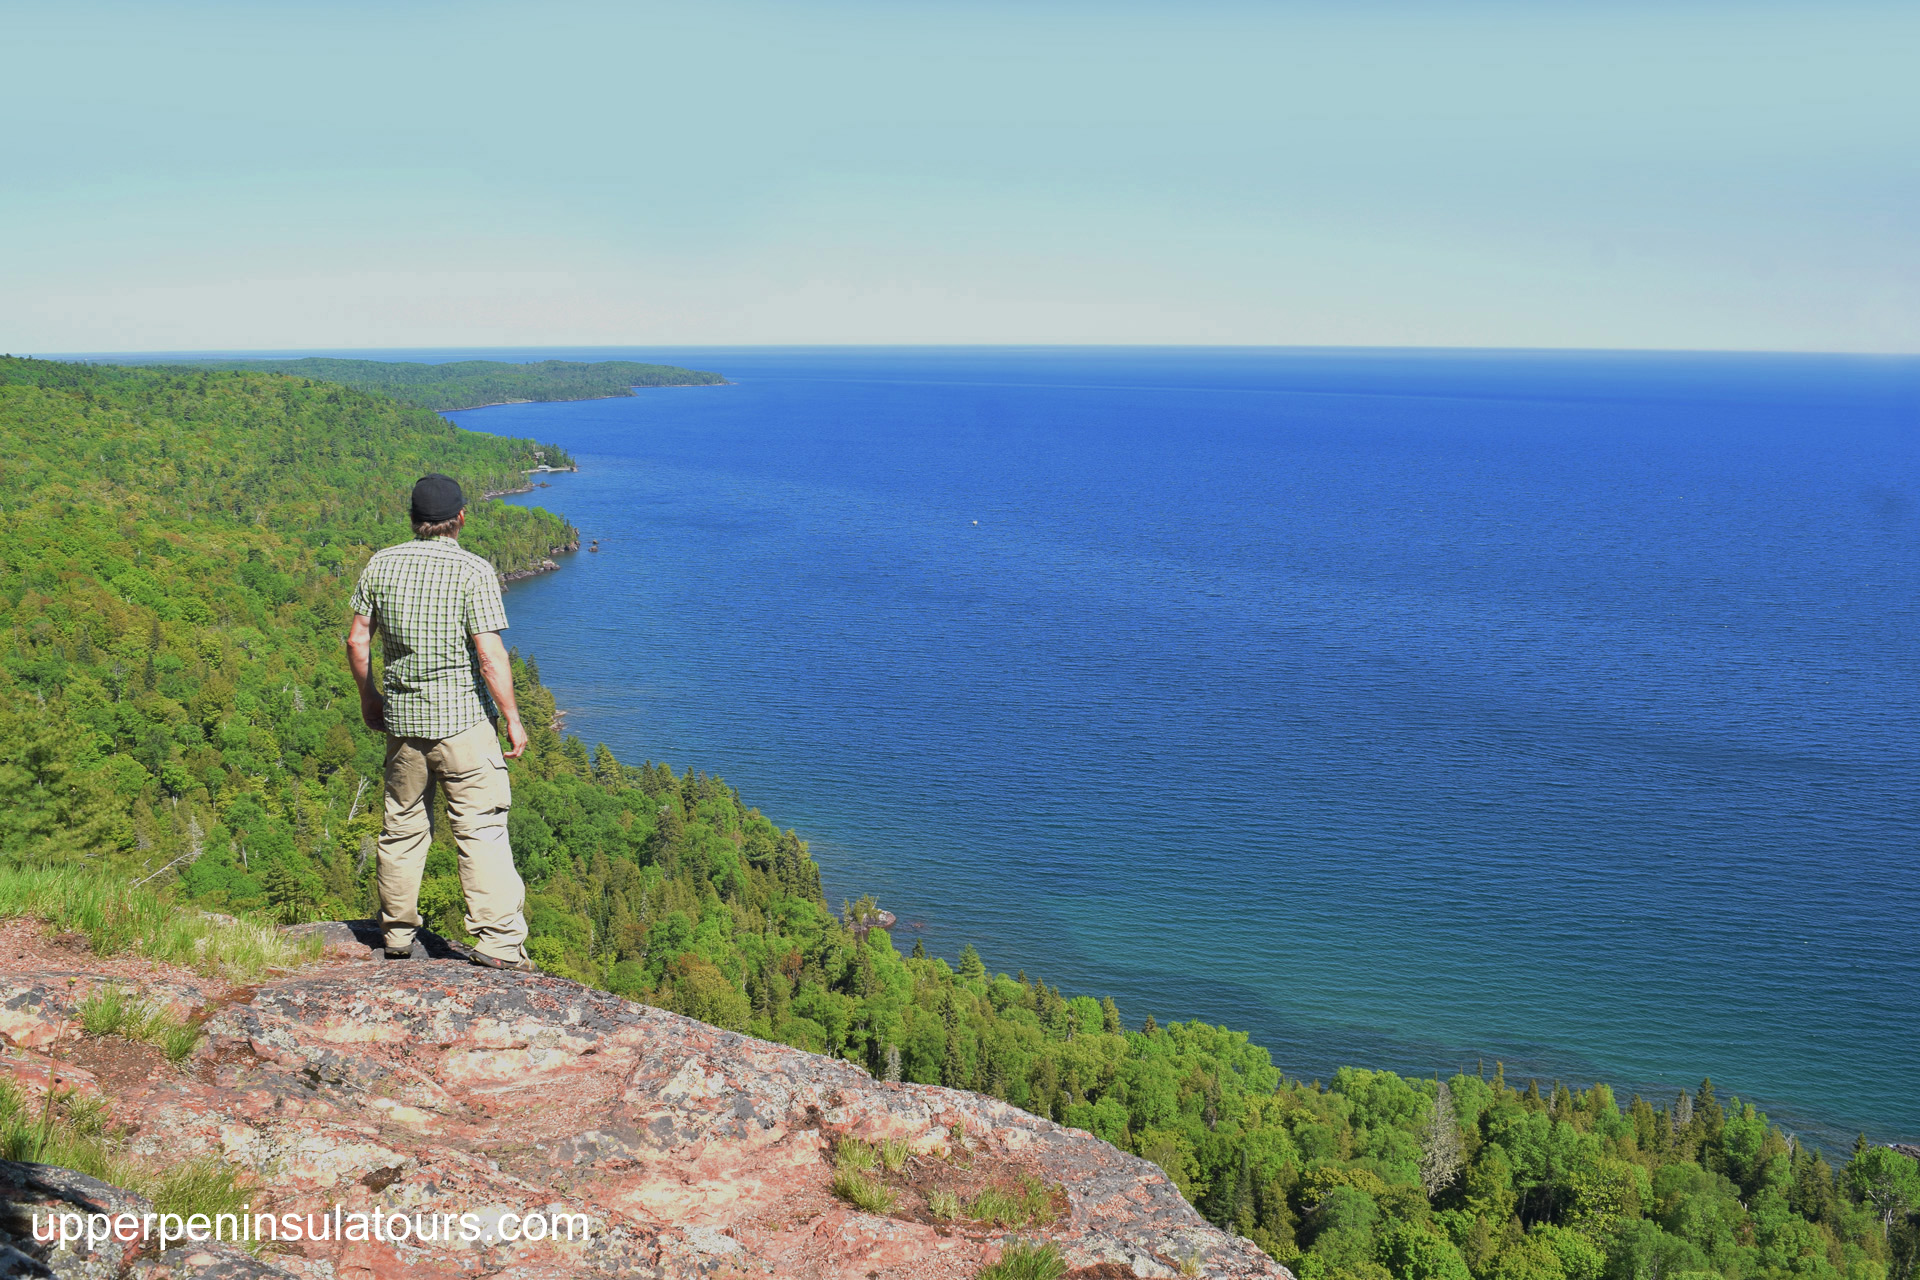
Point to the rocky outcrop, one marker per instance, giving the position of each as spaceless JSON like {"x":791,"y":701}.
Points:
{"x":473,"y":1098}
{"x":548,"y":565}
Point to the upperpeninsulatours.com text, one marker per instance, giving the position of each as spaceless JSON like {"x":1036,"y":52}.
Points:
{"x":96,"y":1229}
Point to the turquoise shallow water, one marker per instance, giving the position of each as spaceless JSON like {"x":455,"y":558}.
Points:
{"x":1402,"y":709}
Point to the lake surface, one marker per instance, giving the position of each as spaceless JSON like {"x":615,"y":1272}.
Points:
{"x":1401,"y":709}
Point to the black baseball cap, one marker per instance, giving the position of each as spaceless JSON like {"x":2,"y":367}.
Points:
{"x":436,"y":498}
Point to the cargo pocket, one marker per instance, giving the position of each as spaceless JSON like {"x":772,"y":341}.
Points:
{"x":500,"y":785}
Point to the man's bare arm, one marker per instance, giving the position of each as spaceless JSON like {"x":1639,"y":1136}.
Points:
{"x":373,"y":707}
{"x":497,"y":671}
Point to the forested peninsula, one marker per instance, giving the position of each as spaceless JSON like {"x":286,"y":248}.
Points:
{"x":176,"y":550}
{"x":470,"y":384}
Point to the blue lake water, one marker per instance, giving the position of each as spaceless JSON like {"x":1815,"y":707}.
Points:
{"x":1402,"y":709}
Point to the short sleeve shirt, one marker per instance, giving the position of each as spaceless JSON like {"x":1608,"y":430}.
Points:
{"x":429,"y":599}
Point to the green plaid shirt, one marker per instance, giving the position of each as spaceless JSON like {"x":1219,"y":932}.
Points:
{"x":428,"y":597}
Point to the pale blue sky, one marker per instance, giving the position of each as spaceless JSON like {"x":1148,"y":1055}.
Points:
{"x":283,"y":175}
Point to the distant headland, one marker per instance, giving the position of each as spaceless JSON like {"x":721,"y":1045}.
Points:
{"x":476,"y":384}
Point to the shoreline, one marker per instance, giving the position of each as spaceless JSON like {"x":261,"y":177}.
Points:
{"x":530,"y":486}
{"x":521,"y":575}
{"x":547,"y":565}
{"x":630,"y":393}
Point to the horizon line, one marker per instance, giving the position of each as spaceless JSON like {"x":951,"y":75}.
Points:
{"x":327,"y":352}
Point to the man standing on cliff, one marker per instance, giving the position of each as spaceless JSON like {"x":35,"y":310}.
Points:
{"x":440,"y":617}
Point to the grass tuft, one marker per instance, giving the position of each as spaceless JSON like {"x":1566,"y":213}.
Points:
{"x":851,"y":1155}
{"x":105,"y":1012}
{"x":110,"y":1011}
{"x":894,"y":1153}
{"x":204,"y":1186}
{"x":1023,"y":1260}
{"x":117,"y":917}
{"x":854,"y":1165}
{"x":943,"y":1205}
{"x":1028,"y":1204}
{"x":864,"y":1193}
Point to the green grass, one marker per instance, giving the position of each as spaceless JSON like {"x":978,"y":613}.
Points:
{"x":864,"y":1193}
{"x":204,"y":1185}
{"x":854,"y":1165}
{"x":894,"y":1153}
{"x":61,"y":1128}
{"x":1026,"y":1261}
{"x":853,"y":1155}
{"x":116,"y":917}
{"x":1030,"y":1203}
{"x":943,"y":1205}
{"x":72,"y":1133}
{"x":110,"y":1011}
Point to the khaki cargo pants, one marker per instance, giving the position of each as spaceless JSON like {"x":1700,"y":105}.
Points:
{"x":473,"y":774}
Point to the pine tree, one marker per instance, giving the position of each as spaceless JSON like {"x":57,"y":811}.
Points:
{"x":606,"y":769}
{"x":1712,"y":1116}
{"x":293,"y":889}
{"x":1223,"y":1197}
{"x":1243,"y":1213}
{"x":919,"y":949}
{"x":971,"y":967}
{"x":1110,"y":1017}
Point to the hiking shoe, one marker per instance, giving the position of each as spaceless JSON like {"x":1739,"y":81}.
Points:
{"x":515,"y":966}
{"x":395,"y":954}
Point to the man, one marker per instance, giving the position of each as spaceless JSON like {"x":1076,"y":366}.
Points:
{"x":440,"y":617}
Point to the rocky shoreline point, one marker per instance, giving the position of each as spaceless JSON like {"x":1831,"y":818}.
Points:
{"x":547,"y":565}
{"x":429,"y":1086}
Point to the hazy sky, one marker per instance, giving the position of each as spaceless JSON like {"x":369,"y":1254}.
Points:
{"x":281,"y":175}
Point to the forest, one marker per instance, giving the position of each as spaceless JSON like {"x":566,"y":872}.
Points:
{"x":176,"y":550}
{"x":468,"y":384}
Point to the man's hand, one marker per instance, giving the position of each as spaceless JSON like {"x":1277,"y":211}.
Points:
{"x":373,"y":710}
{"x":516,"y":737}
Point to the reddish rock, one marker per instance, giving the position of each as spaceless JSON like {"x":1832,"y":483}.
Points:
{"x":32,"y":1072}
{"x":430,"y":1087}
